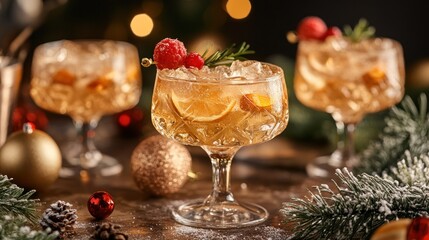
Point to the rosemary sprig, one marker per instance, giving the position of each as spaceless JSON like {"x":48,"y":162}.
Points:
{"x":361,"y":31}
{"x":227,"y":56}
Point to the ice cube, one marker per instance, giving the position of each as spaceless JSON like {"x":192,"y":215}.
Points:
{"x":246,"y":69}
{"x":179,"y":73}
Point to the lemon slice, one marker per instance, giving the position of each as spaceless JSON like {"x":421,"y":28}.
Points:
{"x":202,"y":110}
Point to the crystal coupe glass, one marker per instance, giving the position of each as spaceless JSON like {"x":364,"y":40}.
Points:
{"x":348,"y":80}
{"x":220,"y":109}
{"x":86,"y":79}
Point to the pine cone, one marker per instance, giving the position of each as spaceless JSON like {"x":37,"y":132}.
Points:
{"x":59,"y":217}
{"x":108,"y":231}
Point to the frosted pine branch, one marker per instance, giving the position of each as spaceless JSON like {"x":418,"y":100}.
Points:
{"x":393,"y":183}
{"x":14,"y":201}
{"x":16,"y":228}
{"x":407,"y":128}
{"x":411,"y":170}
{"x":355,"y":208}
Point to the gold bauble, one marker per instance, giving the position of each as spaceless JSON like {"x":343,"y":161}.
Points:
{"x":31,"y":157}
{"x":394,"y":230}
{"x":160,"y":166}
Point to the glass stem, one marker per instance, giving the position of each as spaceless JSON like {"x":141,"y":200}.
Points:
{"x":89,"y":155}
{"x":221,"y":159}
{"x":344,"y":155}
{"x":349,"y":145}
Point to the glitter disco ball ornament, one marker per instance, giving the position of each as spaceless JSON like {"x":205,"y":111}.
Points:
{"x":160,"y":166}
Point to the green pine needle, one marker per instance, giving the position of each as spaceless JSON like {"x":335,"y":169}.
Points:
{"x":393,"y":183}
{"x":16,"y":228}
{"x":17,"y":212}
{"x":355,"y":208}
{"x":14,"y":201}
{"x":361,"y":31}
{"x":227,"y":56}
{"x":407,"y":128}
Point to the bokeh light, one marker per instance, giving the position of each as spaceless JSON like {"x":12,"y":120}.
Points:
{"x":209,"y":43}
{"x":238,"y":9}
{"x":141,"y":25}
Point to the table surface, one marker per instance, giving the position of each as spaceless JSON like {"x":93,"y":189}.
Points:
{"x":267,"y":174}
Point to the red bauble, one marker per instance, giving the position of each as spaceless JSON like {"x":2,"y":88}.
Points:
{"x":130,"y":122}
{"x":27,"y":113}
{"x":418,"y":229}
{"x":100,"y":205}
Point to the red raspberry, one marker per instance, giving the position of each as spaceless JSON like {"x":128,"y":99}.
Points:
{"x":311,"y":28}
{"x":169,"y":53}
{"x":194,"y":60}
{"x":332,"y":31}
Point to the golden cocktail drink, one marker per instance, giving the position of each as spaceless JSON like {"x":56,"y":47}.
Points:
{"x":348,"y":80}
{"x":221,"y":109}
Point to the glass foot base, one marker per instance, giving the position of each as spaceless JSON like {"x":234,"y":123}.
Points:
{"x":221,"y":215}
{"x":106,"y":166}
{"x":321,"y":167}
{"x":325,"y":166}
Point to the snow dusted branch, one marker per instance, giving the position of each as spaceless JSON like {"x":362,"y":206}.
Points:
{"x":356,"y":209}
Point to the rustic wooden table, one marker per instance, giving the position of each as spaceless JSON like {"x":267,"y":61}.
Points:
{"x":267,"y":174}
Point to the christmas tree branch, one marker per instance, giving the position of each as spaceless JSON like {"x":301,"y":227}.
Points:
{"x":407,"y":128}
{"x":392,"y":183}
{"x":355,"y":210}
{"x":13,"y":227}
{"x":14,"y":201}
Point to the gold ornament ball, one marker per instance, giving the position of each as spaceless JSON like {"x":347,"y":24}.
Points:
{"x":31,"y":157}
{"x":394,"y":230}
{"x":160,"y":166}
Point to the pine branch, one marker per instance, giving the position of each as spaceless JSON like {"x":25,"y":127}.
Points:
{"x":398,"y":186}
{"x":355,"y":210}
{"x":227,"y":56}
{"x":411,"y":170}
{"x":407,"y":128}
{"x":14,"y":201}
{"x":15,"y":228}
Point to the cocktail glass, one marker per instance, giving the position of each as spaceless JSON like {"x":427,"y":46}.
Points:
{"x":220,"y":110}
{"x":86,"y":79}
{"x":348,"y":80}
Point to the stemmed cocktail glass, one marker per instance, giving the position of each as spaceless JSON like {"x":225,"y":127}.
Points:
{"x":348,"y":80}
{"x":220,"y":109}
{"x":86,"y":79}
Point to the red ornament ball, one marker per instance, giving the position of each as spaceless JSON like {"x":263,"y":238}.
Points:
{"x":418,"y":229}
{"x":28,"y":114}
{"x":130,"y":122}
{"x":100,"y":205}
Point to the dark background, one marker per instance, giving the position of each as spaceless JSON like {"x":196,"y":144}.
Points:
{"x":264,"y":29}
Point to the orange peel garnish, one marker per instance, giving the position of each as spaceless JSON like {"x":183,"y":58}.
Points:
{"x":255,"y":102}
{"x":100,"y":84}
{"x":63,"y":76}
{"x":374,"y":77}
